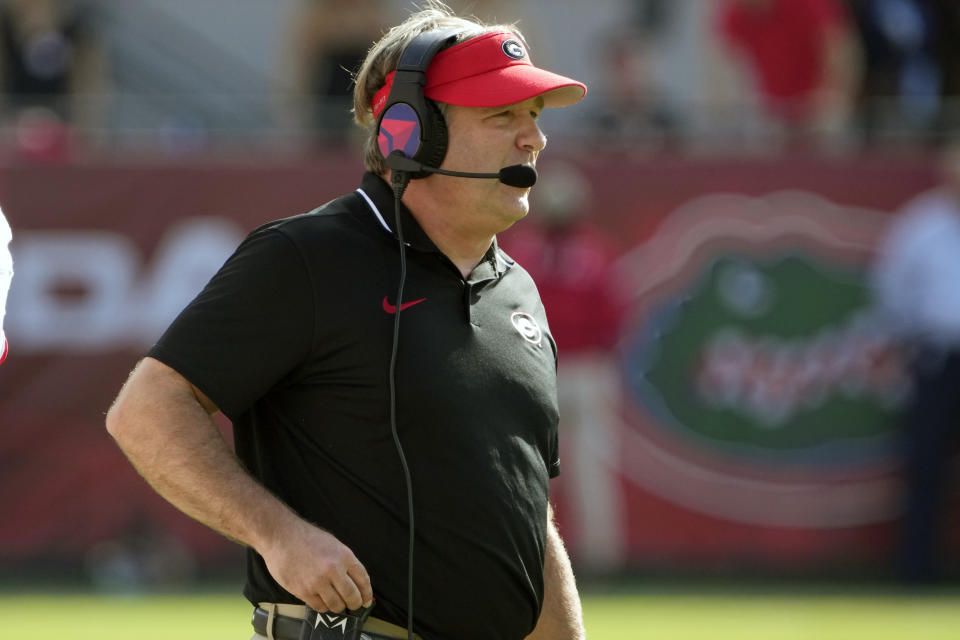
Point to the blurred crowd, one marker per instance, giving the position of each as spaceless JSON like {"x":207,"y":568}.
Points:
{"x":834,"y":73}
{"x":663,"y":74}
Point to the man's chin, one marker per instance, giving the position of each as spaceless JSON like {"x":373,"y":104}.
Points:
{"x":519,"y":206}
{"x":514,"y":217}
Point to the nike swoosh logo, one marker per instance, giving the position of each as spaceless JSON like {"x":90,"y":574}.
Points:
{"x":391,"y":309}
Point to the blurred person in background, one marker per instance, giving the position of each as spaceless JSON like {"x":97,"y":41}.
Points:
{"x":571,"y":260}
{"x":947,"y":51}
{"x":901,"y":91}
{"x":6,"y":276}
{"x":916,"y":277}
{"x":633,"y":112}
{"x":53,"y":73}
{"x":802,"y":58}
{"x":328,"y":40}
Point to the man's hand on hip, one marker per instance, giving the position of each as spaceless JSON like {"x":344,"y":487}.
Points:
{"x":314,"y":566}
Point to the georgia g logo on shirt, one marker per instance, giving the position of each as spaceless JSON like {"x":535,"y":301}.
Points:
{"x":526,"y":325}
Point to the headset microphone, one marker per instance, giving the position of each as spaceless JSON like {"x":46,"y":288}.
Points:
{"x":521,"y":176}
{"x":518,"y":175}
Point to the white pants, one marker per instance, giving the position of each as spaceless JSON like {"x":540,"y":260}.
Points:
{"x":588,"y":392}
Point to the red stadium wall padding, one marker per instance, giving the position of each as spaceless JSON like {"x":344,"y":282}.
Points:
{"x":106,"y":254}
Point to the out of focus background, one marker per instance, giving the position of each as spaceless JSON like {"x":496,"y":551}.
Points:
{"x":747,"y":237}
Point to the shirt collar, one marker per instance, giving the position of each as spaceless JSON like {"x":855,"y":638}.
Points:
{"x":493,"y":265}
{"x":379,"y":198}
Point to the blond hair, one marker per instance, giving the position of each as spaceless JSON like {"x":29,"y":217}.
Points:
{"x":383,"y":56}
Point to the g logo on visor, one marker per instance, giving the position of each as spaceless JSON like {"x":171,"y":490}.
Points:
{"x":513,"y":49}
{"x":399,"y":130}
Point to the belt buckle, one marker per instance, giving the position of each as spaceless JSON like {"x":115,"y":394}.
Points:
{"x":323,"y":625}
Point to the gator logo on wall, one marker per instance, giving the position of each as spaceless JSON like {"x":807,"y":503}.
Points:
{"x":759,"y":386}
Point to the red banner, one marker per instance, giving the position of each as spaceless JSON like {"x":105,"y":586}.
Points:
{"x":106,"y":255}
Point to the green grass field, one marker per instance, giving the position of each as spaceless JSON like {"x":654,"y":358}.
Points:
{"x":608,"y":617}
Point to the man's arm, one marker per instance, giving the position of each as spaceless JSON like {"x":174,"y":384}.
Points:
{"x":164,"y":426}
{"x":562,"y":615}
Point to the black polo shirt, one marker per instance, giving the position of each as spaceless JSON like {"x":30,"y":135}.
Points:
{"x":292,"y":340}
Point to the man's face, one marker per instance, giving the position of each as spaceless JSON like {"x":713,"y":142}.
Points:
{"x":485,"y":140}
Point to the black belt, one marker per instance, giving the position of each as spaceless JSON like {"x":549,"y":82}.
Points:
{"x":321,"y":626}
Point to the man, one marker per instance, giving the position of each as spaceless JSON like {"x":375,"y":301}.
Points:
{"x":6,"y":275}
{"x":293,"y":340}
{"x":916,"y":275}
{"x":573,"y":263}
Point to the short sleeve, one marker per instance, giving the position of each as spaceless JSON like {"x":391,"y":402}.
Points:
{"x":249,"y":328}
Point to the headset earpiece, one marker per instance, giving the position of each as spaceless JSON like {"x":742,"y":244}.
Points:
{"x":433,"y":154}
{"x":409,"y":122}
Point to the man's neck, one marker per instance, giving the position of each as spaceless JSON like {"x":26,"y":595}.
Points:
{"x":465,"y":250}
{"x":463,"y":245}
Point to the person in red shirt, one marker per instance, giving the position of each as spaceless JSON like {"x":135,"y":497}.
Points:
{"x":572,"y":261}
{"x":803,"y":56}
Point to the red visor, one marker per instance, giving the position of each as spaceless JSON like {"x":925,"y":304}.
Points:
{"x":490,"y":70}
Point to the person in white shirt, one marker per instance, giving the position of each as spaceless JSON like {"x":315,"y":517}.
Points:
{"x":6,"y":275}
{"x":917,"y":275}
